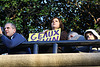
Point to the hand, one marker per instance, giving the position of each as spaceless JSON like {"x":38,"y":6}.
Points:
{"x":98,"y":21}
{"x":0,"y":31}
{"x":45,"y":31}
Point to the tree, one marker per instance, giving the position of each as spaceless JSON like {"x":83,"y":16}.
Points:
{"x":34,"y":16}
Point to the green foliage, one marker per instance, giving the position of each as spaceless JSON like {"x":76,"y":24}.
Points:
{"x":35,"y":15}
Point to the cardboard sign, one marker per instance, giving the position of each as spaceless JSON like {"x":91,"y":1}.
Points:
{"x":51,"y":35}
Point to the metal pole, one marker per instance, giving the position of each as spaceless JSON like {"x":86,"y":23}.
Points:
{"x":35,"y":50}
{"x":55,"y":47}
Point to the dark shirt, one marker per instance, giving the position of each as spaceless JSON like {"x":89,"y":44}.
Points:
{"x":81,"y":48}
{"x":13,"y":42}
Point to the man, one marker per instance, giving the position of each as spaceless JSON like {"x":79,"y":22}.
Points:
{"x":75,"y":36}
{"x":13,"y":39}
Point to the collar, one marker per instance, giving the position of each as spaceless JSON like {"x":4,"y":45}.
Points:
{"x":12,"y":36}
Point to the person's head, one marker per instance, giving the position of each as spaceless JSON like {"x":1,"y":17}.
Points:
{"x":91,"y":34}
{"x":56,"y":23}
{"x":10,"y":29}
{"x":71,"y":35}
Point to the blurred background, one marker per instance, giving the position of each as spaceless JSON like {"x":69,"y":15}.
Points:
{"x":33,"y":16}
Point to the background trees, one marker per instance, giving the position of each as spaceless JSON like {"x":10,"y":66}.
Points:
{"x":35,"y":15}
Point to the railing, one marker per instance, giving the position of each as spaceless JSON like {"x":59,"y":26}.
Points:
{"x":58,"y":59}
{"x":54,"y":44}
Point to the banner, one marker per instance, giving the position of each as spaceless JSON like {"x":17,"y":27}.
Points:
{"x":51,"y":35}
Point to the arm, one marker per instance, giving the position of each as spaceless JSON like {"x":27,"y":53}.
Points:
{"x":98,"y":21}
{"x":17,"y":39}
{"x":1,"y":32}
{"x":45,"y":31}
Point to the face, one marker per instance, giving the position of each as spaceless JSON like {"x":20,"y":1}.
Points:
{"x":9,"y":31}
{"x":90,"y":36}
{"x":55,"y":23}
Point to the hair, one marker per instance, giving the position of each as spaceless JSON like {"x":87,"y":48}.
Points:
{"x":72,"y":33}
{"x":12,"y":25}
{"x":61,"y":24}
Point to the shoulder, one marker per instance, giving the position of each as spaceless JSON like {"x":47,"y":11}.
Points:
{"x":64,"y":35}
{"x":63,"y":32}
{"x":18,"y":35}
{"x":79,"y":37}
